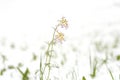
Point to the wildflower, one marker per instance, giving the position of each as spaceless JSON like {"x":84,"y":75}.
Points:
{"x":59,"y":37}
{"x":63,"y":23}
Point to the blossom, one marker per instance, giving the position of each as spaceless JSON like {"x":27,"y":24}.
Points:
{"x":59,"y":37}
{"x":63,"y":23}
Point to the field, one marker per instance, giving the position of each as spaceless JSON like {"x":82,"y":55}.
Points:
{"x":60,"y":40}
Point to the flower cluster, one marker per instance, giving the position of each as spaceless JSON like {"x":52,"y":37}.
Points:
{"x":59,"y":36}
{"x":63,"y":23}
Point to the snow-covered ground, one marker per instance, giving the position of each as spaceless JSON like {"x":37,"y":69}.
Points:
{"x":25,"y":26}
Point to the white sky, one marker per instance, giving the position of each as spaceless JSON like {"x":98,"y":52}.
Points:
{"x":37,"y":17}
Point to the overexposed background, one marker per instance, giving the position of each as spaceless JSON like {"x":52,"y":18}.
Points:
{"x":30,"y":22}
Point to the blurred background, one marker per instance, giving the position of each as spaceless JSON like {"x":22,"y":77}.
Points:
{"x":93,"y":33}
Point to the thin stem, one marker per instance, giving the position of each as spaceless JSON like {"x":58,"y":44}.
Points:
{"x":110,"y":73}
{"x":52,"y":43}
{"x":48,"y":57}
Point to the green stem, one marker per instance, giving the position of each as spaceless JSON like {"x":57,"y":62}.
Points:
{"x":48,"y":57}
{"x":110,"y":73}
{"x":52,"y":43}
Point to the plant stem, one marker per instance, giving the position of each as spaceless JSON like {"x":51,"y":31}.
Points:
{"x":110,"y":73}
{"x":49,"y":55}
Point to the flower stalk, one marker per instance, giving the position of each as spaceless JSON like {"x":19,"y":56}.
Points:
{"x":56,"y":37}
